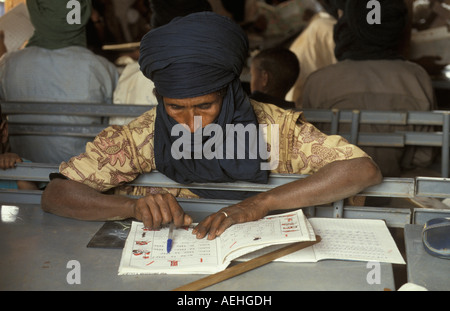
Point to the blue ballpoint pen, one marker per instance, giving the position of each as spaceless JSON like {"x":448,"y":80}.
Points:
{"x":170,"y":238}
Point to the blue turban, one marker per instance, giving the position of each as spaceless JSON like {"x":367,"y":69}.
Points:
{"x":193,"y":56}
{"x":191,"y":53}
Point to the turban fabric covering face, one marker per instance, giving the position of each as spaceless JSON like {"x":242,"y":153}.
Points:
{"x":52,"y":31}
{"x":357,"y":39}
{"x":192,"y":56}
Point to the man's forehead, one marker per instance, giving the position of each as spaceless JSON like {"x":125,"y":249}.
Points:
{"x":208,"y":98}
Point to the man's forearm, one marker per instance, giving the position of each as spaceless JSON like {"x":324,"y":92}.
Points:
{"x":74,"y":200}
{"x":335,"y":181}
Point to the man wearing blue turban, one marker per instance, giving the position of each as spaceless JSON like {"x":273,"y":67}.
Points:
{"x":206,"y":64}
{"x":195,"y":63}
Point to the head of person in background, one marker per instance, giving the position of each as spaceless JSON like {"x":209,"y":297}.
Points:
{"x":163,"y":11}
{"x":51,"y":28}
{"x":273,"y":73}
{"x":357,"y":39}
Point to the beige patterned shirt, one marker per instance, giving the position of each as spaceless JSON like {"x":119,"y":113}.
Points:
{"x":120,"y":153}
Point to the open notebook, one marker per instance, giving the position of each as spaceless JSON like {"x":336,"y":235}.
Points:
{"x":345,"y":239}
{"x":145,"y":250}
{"x":341,"y":239}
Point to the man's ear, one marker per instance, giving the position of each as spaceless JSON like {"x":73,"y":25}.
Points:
{"x":4,"y":131}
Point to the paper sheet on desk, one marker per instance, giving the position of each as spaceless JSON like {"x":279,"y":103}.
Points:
{"x":345,"y":239}
{"x":17,"y":27}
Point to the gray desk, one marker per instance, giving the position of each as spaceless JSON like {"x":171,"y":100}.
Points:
{"x":423,"y":269}
{"x":36,"y":248}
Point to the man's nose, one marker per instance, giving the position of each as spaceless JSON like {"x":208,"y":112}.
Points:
{"x":194,"y":122}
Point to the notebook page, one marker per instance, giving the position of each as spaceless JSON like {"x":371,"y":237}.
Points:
{"x":344,"y":239}
{"x":283,"y":229}
{"x":355,"y":239}
{"x":145,"y":252}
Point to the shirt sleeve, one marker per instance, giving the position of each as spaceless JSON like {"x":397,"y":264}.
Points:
{"x":302,"y":148}
{"x":312,"y":149}
{"x":116,"y":156}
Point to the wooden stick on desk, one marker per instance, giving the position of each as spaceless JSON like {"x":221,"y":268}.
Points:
{"x":246,"y":266}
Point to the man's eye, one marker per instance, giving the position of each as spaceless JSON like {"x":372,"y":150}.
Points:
{"x":175,"y":107}
{"x":204,"y":106}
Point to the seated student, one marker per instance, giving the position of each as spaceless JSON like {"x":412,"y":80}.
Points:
{"x":8,"y":160}
{"x":371,"y":74}
{"x":314,"y":47}
{"x":196,"y":75}
{"x":273,"y":73}
{"x":55,"y":66}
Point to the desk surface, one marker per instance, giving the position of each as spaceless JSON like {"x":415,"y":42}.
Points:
{"x":36,"y":248}
{"x":424,"y":269}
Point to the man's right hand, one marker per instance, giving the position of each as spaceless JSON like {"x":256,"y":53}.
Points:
{"x":159,"y":209}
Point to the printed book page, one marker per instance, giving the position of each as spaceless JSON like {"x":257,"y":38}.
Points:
{"x":346,"y":239}
{"x":17,"y":27}
{"x":145,"y":250}
{"x":277,"y":229}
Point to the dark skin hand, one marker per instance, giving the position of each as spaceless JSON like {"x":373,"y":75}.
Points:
{"x":80,"y":201}
{"x":8,"y":160}
{"x":157,"y":210}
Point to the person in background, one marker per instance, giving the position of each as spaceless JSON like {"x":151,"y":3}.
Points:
{"x":273,"y":73}
{"x":372,"y":74}
{"x":263,"y":20}
{"x":9,"y":159}
{"x":55,"y":66}
{"x":314,"y":47}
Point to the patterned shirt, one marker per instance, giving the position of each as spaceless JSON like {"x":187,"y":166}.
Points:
{"x":119,"y":154}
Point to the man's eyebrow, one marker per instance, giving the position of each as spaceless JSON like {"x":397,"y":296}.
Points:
{"x":205,"y":103}
{"x":196,"y":105}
